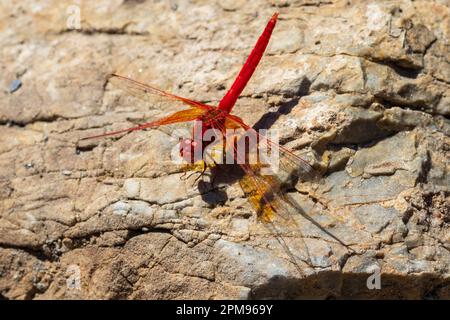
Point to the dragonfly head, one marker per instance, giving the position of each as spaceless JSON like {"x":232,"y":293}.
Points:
{"x":187,"y":147}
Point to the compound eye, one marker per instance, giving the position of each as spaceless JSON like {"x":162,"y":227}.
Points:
{"x":187,"y":149}
{"x":185,"y":142}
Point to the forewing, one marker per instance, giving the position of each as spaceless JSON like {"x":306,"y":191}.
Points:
{"x":147,"y":92}
{"x":177,"y":117}
{"x":155,"y":96}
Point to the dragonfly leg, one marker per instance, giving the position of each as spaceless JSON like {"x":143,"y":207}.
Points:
{"x":200,"y":174}
{"x":185,"y":176}
{"x":182,"y":177}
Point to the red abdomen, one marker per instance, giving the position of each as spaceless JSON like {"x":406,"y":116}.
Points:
{"x":228,"y":101}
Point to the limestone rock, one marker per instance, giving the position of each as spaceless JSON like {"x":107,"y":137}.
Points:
{"x":361,"y":87}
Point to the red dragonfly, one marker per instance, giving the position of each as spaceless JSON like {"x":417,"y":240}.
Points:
{"x":263,"y":191}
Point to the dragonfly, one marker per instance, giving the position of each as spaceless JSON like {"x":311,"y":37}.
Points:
{"x":263,"y":191}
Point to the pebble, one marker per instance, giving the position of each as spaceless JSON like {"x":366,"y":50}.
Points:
{"x":66,"y":172}
{"x":15,"y":85}
{"x":28,"y":165}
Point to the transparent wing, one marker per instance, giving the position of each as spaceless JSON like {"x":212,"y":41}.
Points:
{"x":154,"y":95}
{"x":147,"y":92}
{"x":273,"y":209}
{"x":289,"y":162}
{"x":177,"y":117}
{"x":262,"y":189}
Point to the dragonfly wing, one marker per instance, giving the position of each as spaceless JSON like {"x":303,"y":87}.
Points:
{"x":147,"y":92}
{"x":177,"y":117}
{"x":261,"y":192}
{"x":272,"y":205}
{"x":264,"y":194}
{"x":293,"y":163}
{"x":288,"y":161}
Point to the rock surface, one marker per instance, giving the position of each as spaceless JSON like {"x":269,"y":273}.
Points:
{"x":362,"y":85}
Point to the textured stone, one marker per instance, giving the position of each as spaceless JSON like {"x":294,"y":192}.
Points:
{"x":361,"y":88}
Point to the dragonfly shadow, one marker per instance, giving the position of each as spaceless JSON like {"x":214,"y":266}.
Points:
{"x":221,"y":175}
{"x":268,"y":119}
{"x":210,"y":195}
